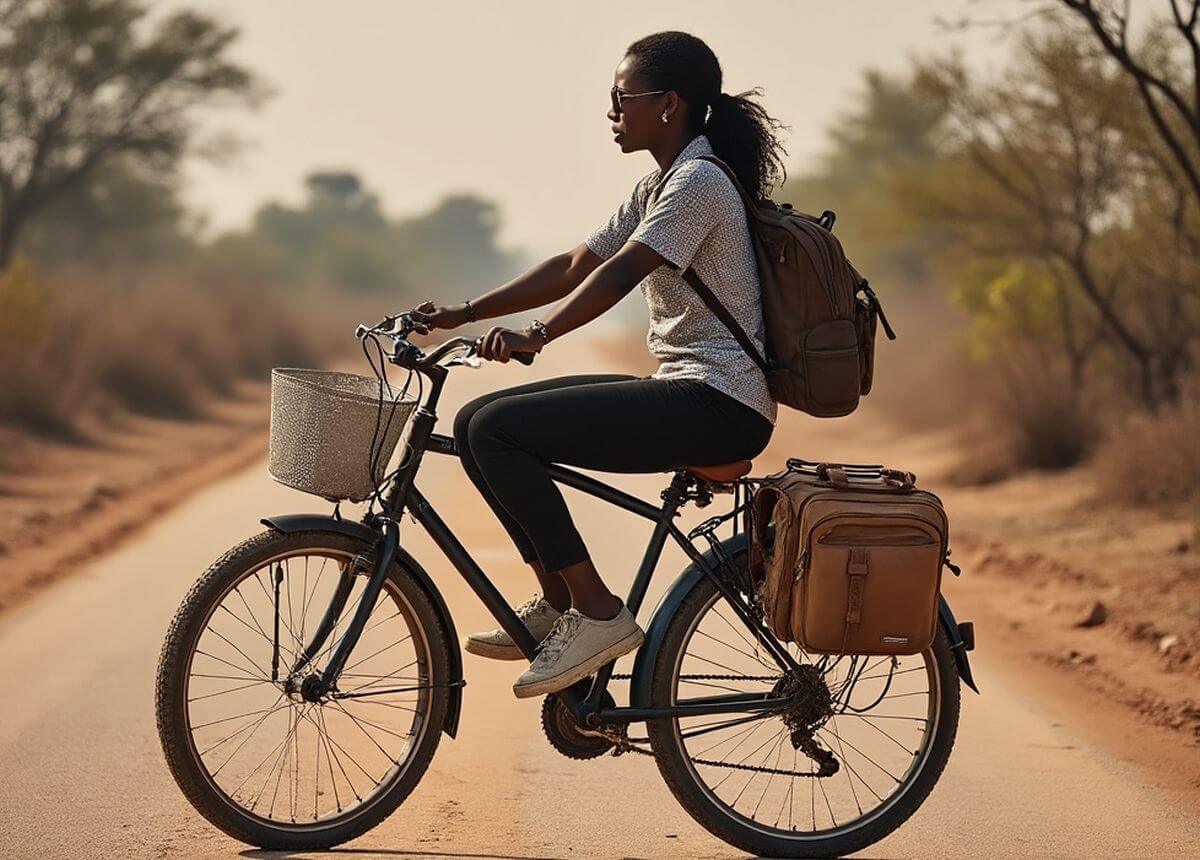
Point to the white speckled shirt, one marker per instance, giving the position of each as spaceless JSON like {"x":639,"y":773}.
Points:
{"x":697,"y":220}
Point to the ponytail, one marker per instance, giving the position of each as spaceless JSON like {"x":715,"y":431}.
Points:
{"x":741,"y":132}
{"x":743,"y":135}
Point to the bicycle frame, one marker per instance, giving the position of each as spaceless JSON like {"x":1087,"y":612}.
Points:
{"x":402,"y":494}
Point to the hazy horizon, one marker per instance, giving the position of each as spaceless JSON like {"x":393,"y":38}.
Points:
{"x":508,"y":101}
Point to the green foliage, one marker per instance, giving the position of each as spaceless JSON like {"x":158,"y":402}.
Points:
{"x":1004,"y":297}
{"x":84,"y":82}
{"x":881,"y":148}
{"x":339,"y":237}
{"x":24,"y":306}
{"x":120,"y":215}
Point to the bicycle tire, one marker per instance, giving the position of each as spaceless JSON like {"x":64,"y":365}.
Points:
{"x":672,"y":757}
{"x":171,"y":691}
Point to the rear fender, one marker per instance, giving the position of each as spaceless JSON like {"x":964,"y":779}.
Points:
{"x":961,"y":640}
{"x":288,"y":523}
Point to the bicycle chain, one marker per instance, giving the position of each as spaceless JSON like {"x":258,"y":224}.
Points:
{"x":622,"y":744}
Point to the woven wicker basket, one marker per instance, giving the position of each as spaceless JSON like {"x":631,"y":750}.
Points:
{"x":322,"y":423}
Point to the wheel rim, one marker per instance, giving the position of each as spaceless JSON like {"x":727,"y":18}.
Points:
{"x":268,"y":753}
{"x":880,"y":753}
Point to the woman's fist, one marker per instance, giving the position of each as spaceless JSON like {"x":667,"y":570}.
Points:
{"x":499,"y":344}
{"x":436,"y":316}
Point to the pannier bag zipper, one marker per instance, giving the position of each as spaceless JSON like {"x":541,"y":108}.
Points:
{"x":911,"y":540}
{"x":801,"y":567}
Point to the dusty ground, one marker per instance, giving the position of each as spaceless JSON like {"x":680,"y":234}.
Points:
{"x":1060,"y":756}
{"x":62,"y":503}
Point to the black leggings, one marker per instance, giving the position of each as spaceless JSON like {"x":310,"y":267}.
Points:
{"x":608,"y":422}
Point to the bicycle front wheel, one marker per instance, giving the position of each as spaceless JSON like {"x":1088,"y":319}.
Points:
{"x":260,"y":759}
{"x":844,"y":768}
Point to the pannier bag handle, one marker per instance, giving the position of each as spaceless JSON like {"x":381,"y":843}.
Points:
{"x":834,"y":474}
{"x":873,"y":468}
{"x":898,"y":479}
{"x":838,"y":475}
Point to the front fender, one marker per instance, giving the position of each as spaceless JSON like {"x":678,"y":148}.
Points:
{"x":288,"y":523}
{"x":656,"y":631}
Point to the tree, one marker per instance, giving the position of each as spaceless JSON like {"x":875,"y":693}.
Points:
{"x":340,"y":237}
{"x":86,"y":81}
{"x":1050,"y":167}
{"x":1162,"y":80}
{"x":884,"y":144}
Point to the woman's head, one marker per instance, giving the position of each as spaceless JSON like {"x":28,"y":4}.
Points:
{"x":670,"y":81}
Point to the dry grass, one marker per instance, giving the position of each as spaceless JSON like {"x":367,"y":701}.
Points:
{"x":79,"y":345}
{"x":1153,"y":460}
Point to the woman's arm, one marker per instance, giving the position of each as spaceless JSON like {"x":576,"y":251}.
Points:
{"x":608,"y":284}
{"x":599,"y":291}
{"x":544,"y":283}
{"x":547,"y":281}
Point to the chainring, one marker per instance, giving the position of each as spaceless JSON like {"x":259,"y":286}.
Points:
{"x":566,"y":735}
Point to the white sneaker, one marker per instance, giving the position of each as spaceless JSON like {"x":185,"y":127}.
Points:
{"x":537,"y":614}
{"x":575,"y":648}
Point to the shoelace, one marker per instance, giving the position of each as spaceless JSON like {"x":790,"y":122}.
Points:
{"x":529,"y":605}
{"x":560,"y":635}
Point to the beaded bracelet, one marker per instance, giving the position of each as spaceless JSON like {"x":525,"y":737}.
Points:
{"x":471,"y":311}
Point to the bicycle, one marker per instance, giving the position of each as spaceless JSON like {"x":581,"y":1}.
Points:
{"x":334,"y":679}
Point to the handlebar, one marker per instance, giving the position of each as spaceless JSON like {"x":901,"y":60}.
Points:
{"x":406,"y":352}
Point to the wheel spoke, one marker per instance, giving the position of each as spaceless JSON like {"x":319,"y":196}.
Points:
{"x":271,"y":758}
{"x":758,"y":773}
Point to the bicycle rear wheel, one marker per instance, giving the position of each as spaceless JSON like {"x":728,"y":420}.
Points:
{"x":258,"y":758}
{"x":861,"y":763}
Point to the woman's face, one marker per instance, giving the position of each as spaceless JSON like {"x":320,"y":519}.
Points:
{"x":639,"y":124}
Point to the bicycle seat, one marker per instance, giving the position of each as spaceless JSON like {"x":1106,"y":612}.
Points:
{"x":722,"y":473}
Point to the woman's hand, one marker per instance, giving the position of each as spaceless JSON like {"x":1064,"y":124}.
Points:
{"x":500,"y":343}
{"x":436,"y":316}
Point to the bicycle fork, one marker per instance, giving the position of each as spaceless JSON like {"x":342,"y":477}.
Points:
{"x":384,"y":552}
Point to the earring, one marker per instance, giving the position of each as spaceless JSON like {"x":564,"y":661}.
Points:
{"x":664,"y":116}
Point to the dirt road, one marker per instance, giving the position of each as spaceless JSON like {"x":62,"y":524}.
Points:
{"x":82,"y":775}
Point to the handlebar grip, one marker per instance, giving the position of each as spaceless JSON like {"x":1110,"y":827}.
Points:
{"x":524,"y":357}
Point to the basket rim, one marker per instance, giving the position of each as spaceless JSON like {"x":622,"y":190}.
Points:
{"x":290,"y":374}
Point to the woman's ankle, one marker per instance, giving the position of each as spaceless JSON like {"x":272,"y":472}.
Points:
{"x":602,"y":610}
{"x":554,"y":588}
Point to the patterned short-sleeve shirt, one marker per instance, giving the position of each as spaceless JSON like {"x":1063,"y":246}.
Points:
{"x":697,"y":219}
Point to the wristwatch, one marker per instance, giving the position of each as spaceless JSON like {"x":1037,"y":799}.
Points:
{"x":539,"y":328}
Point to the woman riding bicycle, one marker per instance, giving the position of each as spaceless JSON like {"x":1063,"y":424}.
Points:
{"x":706,"y":403}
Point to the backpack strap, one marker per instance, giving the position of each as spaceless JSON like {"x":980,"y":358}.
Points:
{"x":702,"y":290}
{"x":714,"y":305}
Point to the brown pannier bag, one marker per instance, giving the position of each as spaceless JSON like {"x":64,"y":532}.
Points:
{"x":856,"y":562}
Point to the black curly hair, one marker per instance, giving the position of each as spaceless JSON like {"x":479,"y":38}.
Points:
{"x":741,"y":132}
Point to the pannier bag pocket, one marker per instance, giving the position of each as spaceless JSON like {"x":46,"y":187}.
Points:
{"x":869,"y":588}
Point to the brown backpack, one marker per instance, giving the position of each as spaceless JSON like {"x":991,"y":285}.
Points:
{"x":820,"y":333}
{"x":855,"y":565}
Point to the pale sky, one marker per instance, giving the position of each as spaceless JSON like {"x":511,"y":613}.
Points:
{"x":508,"y":99}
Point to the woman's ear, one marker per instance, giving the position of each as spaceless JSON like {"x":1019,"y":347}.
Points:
{"x":672,"y":105}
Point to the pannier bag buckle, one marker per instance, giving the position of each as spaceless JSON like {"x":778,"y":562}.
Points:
{"x":856,"y":568}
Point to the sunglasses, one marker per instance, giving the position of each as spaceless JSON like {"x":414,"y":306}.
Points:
{"x":618,"y":97}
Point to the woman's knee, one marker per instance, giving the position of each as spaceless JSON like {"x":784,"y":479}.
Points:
{"x":462,"y":421}
{"x":491,"y":424}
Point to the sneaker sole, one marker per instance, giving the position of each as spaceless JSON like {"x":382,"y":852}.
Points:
{"x":546,"y":686}
{"x":492,"y":652}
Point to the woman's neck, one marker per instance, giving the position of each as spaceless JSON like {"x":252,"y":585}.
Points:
{"x":667,"y":151}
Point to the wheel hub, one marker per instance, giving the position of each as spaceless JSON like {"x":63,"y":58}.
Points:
{"x":309,"y":688}
{"x":811,"y":708}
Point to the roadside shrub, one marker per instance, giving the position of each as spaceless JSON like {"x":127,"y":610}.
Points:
{"x":1153,"y":459}
{"x":1021,"y":416}
{"x":152,"y":342}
